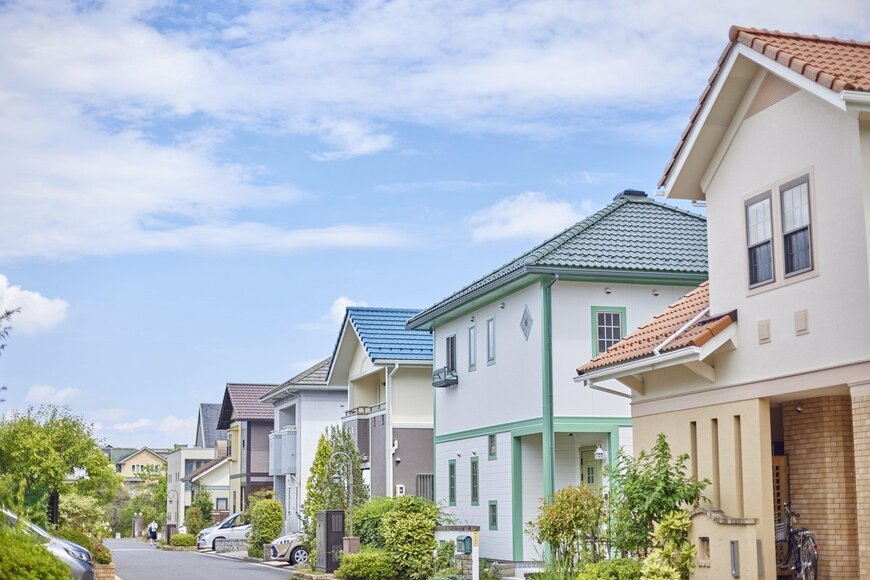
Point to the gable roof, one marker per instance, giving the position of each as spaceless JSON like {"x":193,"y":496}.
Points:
{"x":118,"y":454}
{"x":243,"y":399}
{"x":203,"y":469}
{"x":143,"y":450}
{"x":838,"y":65}
{"x":313,"y":377}
{"x":682,"y":324}
{"x":631,"y":235}
{"x":206,"y":424}
{"x":383,"y":334}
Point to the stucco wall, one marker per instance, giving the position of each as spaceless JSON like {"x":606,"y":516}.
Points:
{"x":415,"y":451}
{"x":378,"y":458}
{"x":411,"y":396}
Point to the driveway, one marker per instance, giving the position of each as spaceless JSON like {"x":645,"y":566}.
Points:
{"x":136,"y":560}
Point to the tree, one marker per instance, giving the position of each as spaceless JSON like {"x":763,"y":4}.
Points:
{"x":50,"y":451}
{"x":83,"y":513}
{"x":5,"y":318}
{"x":204,"y":502}
{"x":644,"y":490}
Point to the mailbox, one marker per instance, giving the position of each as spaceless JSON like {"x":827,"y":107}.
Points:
{"x":463,"y":544}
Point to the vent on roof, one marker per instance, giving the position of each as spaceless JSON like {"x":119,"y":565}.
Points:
{"x":630,"y":193}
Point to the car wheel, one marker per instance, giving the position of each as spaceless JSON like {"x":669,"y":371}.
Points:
{"x":214,"y":543}
{"x":299,"y":555}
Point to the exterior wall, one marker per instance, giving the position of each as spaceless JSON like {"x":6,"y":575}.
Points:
{"x":415,"y":451}
{"x":217,"y":482}
{"x":531,"y":449}
{"x":143,"y":458}
{"x":178,"y":465}
{"x":411,"y":393}
{"x":737,"y":461}
{"x":235,"y":466}
{"x":507,"y":390}
{"x":818,"y":443}
{"x":378,"y":458}
{"x":798,"y":134}
{"x":495,"y":484}
{"x":861,"y":441}
{"x":258,"y":443}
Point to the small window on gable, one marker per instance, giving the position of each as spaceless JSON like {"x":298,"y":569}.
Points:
{"x":759,"y":237}
{"x":450,"y":353}
{"x":472,"y":348}
{"x":490,"y":341}
{"x":795,"y":200}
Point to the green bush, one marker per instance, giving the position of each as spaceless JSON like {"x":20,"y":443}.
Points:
{"x":367,"y":520}
{"x":267,"y":522}
{"x":616,"y":569}
{"x":182,"y":540}
{"x":369,"y":564}
{"x":673,"y":554}
{"x":409,"y":531}
{"x":101,"y":554}
{"x":76,"y":537}
{"x":194,"y":520}
{"x":23,"y":558}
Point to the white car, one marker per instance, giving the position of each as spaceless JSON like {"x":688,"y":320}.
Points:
{"x":232,"y":528}
{"x":290,"y":547}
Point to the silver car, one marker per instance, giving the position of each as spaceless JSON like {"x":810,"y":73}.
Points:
{"x":78,"y":559}
{"x":290,"y":547}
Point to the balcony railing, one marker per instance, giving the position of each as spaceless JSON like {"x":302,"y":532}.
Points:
{"x":444,"y":377}
{"x":365,"y":410}
{"x":282,"y":451}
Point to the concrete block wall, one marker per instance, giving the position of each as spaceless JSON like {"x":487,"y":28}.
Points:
{"x":820,"y":450}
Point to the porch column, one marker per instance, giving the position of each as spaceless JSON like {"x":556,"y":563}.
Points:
{"x":860,"y":393}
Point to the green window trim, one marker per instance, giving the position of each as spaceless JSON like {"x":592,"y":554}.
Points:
{"x":492,"y":514}
{"x":451,"y":482}
{"x":594,"y":318}
{"x":490,"y":340}
{"x":492,"y":446}
{"x":475,"y":481}
{"x":472,"y":348}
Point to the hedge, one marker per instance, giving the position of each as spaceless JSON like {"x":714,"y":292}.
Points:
{"x":267,"y":522}
{"x":23,"y":558}
{"x":182,"y":540}
{"x":616,"y":569}
{"x":369,"y":564}
{"x":76,"y":537}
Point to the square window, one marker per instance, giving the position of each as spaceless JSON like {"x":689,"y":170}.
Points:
{"x":607,"y":327}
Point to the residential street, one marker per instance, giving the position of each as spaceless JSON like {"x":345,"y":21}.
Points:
{"x":136,"y":560}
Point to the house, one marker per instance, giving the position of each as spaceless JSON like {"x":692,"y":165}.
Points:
{"x":247,"y":422}
{"x":179,"y":464}
{"x":510,"y":426}
{"x":304,"y":406}
{"x":135,"y":464}
{"x":763,"y":375}
{"x":213,"y":476}
{"x":207,"y":433}
{"x":386,"y":369}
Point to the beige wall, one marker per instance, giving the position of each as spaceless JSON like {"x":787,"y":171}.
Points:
{"x":412,"y":396}
{"x":235,"y":467}
{"x":142,"y":459}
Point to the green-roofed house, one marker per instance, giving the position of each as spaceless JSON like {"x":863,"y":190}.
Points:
{"x":510,"y":424}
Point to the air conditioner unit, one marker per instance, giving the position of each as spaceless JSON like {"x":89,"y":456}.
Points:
{"x":400,"y":490}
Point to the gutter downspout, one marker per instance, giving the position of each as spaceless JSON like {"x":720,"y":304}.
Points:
{"x":388,"y":395}
{"x":548,"y":435}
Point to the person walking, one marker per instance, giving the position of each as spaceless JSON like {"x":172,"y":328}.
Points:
{"x":152,"y":532}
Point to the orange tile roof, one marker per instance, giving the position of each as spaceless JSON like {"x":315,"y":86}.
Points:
{"x":839,"y":65}
{"x":641,"y":343}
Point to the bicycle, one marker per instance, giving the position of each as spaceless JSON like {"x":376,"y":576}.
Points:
{"x":796,"y":548}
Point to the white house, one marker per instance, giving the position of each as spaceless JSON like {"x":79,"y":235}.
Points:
{"x":304,"y":407}
{"x":510,"y":425}
{"x":180,"y":464}
{"x":387,"y":369}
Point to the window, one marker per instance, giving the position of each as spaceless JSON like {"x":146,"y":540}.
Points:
{"x":795,"y":198}
{"x":472,"y":348}
{"x":493,"y":514}
{"x":450,"y":354}
{"x":222,"y":504}
{"x":451,"y":482}
{"x":759,"y":234}
{"x":493,"y":448}
{"x":490,"y":341}
{"x":608,"y":327}
{"x":475,"y":481}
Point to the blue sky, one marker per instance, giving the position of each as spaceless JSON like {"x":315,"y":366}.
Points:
{"x":191,"y":194}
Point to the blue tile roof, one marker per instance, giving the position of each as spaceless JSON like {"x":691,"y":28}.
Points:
{"x":632,"y":234}
{"x":383,"y":334}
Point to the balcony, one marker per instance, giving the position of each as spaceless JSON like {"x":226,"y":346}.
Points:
{"x":362,"y":411}
{"x":444,"y":377}
{"x":282,"y":451}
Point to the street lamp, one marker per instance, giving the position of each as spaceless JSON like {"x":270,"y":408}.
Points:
{"x":171,"y":491}
{"x":336,"y":478}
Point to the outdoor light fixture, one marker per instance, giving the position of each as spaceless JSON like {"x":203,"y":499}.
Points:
{"x":607,"y":290}
{"x":600,"y":453}
{"x":656,"y":292}
{"x":799,"y":408}
{"x":336,"y":478}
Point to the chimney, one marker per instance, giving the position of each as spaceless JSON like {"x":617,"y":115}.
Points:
{"x":629,"y":193}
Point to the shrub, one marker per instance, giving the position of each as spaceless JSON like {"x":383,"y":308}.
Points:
{"x":182,"y":540}
{"x":616,"y":569}
{"x":76,"y":537}
{"x":82,"y":512}
{"x":571,"y":523}
{"x":409,"y":531}
{"x":673,"y":555}
{"x":369,"y":564}
{"x":204,"y":502}
{"x":101,"y":554}
{"x":367,"y":520}
{"x":23,"y":558}
{"x":267,"y":521}
{"x":193,"y":520}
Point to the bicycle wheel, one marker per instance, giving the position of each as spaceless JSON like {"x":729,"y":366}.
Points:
{"x":809,"y":558}
{"x":783,"y":554}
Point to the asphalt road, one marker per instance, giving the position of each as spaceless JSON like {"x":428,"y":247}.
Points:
{"x":136,"y":560}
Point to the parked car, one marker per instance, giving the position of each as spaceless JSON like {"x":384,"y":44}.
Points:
{"x":77,"y":558}
{"x":232,"y":528}
{"x":290,"y":547}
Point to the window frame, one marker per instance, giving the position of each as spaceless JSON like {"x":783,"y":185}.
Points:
{"x":451,"y":482}
{"x":490,"y":341}
{"x":450,"y":352}
{"x":595,"y":310}
{"x":492,"y":446}
{"x":782,"y":188}
{"x":766,"y":195}
{"x":493,"y":503}
{"x":472,"y":348}
{"x":475,"y":480}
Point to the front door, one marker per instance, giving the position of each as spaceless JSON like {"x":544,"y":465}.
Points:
{"x":590,"y":469}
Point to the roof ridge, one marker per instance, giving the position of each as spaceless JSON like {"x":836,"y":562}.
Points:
{"x":735,"y":30}
{"x":382,"y":308}
{"x":307,"y":372}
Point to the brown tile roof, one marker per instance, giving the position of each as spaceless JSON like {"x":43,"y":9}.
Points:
{"x":836,"y":64}
{"x":641,"y":343}
{"x":244,"y":400}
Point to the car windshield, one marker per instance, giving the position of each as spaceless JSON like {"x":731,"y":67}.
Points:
{"x":232,"y":521}
{"x":32,"y":530}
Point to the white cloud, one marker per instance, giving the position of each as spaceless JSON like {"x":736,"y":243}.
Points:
{"x":530,"y":215}
{"x":37,"y":314}
{"x":39,"y":394}
{"x":111,"y":414}
{"x":177,"y":429}
{"x":338,"y":308}
{"x":136,"y":425}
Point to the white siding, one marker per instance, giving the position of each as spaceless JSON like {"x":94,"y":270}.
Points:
{"x":625,"y":440}
{"x":533,"y":486}
{"x":495,"y":484}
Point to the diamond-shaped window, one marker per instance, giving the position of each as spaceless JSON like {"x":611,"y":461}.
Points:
{"x":526,"y":322}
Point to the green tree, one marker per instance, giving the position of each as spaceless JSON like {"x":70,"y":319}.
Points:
{"x":267,"y":521}
{"x":203,"y":500}
{"x":5,"y":318}
{"x":83,"y":513}
{"x":644,"y":490}
{"x":21,"y":557}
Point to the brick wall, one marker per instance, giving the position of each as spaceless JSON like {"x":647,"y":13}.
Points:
{"x":821,"y":462}
{"x":861,"y":436}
